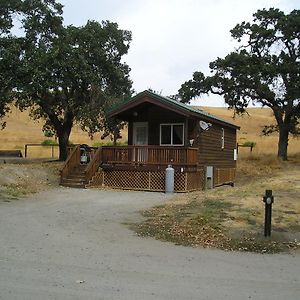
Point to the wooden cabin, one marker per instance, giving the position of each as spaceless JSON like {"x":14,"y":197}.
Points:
{"x":161,"y":132}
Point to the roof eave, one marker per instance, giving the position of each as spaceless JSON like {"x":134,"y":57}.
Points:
{"x":163,"y":103}
{"x":135,"y":101}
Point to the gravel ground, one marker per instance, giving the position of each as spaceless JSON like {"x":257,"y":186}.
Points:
{"x":73,"y":244}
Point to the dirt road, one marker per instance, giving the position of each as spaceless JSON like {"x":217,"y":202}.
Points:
{"x":74,"y":244}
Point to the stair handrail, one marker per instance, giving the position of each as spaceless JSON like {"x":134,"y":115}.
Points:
{"x":93,"y":165}
{"x":72,"y":161}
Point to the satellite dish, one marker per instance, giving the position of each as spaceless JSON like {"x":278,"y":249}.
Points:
{"x":203,"y":125}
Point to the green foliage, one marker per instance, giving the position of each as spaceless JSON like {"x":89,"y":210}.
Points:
{"x":48,"y":133}
{"x":65,"y":74}
{"x":48,"y":129}
{"x":264,"y":69}
{"x":249,"y":144}
{"x":109,"y":143}
{"x":269,"y":129}
{"x":49,"y":143}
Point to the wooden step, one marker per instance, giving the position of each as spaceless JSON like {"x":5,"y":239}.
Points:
{"x":73,"y":185}
{"x":74,"y":182}
{"x":75,"y":176}
{"x":76,"y":179}
{"x":80,"y":167}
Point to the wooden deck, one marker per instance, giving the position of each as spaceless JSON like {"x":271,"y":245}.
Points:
{"x":138,"y":166}
{"x":150,"y":155}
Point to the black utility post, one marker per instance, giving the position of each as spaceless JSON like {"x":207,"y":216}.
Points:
{"x":268,"y":199}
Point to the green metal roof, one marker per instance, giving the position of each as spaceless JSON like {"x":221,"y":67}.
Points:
{"x":179,"y":105}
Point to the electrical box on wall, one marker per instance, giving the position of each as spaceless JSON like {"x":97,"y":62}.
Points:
{"x":209,"y":177}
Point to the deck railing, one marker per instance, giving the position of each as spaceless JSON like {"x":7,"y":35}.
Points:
{"x":157,"y":155}
{"x":72,"y":161}
{"x":92,"y":167}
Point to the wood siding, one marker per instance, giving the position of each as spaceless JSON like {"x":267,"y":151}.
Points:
{"x":211,"y":151}
{"x":209,"y":143}
{"x":154,"y":116}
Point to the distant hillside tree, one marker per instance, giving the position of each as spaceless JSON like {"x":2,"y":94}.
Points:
{"x":64,"y":74}
{"x":265,"y":70}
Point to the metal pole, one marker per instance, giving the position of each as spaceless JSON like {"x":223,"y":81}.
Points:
{"x":268,"y":199}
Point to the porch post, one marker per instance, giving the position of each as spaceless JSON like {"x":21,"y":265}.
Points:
{"x":186,"y":132}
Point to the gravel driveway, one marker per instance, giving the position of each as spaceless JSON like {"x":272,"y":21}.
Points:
{"x":73,"y":244}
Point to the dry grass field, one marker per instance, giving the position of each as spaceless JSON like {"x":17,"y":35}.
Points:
{"x":21,"y":130}
{"x":251,"y":130}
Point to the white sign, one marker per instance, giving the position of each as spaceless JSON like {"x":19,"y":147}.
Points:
{"x":234,"y":154}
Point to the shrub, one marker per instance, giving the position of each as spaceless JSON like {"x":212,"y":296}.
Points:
{"x":48,"y":143}
{"x":109,"y":143}
{"x":249,"y":144}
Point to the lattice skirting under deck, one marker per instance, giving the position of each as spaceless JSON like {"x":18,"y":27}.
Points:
{"x":147,"y":180}
{"x":224,"y":175}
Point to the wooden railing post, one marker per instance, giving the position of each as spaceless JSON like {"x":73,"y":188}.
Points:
{"x":72,"y":160}
{"x":159,"y":155}
{"x":93,"y":165}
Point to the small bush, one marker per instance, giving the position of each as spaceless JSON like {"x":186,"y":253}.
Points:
{"x":48,"y":143}
{"x":109,"y":143}
{"x":249,"y":144}
{"x":48,"y":133}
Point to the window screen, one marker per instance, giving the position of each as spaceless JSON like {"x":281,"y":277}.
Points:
{"x":166,"y":134}
{"x":177,"y":134}
{"x":172,"y":134}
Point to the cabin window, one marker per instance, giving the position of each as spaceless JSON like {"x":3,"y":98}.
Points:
{"x":222,"y":138}
{"x":172,"y":134}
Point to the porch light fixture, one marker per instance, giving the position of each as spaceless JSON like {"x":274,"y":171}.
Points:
{"x":135,"y":114}
{"x":191,"y":142}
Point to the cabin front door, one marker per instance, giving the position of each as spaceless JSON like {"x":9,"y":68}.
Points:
{"x":140,"y":140}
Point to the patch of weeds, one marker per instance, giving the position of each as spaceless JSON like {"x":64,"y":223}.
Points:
{"x":9,"y":193}
{"x":201,"y":223}
{"x":278,"y":219}
{"x":295,"y":227}
{"x":290,"y":212}
{"x":255,"y":244}
{"x":49,"y":143}
{"x":194,"y":223}
{"x":251,"y":221}
{"x":217,"y":204}
{"x":215,"y":211}
{"x":13,"y":193}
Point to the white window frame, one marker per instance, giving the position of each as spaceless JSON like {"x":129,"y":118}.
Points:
{"x":171,"y":124}
{"x":222,"y":138}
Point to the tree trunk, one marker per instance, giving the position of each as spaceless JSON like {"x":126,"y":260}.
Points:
{"x":63,"y":141}
{"x":283,"y":141}
{"x":62,"y":128}
{"x":63,"y":132}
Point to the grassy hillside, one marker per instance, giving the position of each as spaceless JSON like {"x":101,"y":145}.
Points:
{"x":21,"y":130}
{"x":251,"y":130}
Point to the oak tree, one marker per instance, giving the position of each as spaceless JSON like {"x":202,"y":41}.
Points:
{"x":66,"y":74}
{"x":264,"y":70}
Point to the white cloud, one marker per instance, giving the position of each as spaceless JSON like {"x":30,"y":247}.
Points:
{"x":172,"y":38}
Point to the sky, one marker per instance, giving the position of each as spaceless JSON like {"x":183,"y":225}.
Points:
{"x":172,"y":39}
